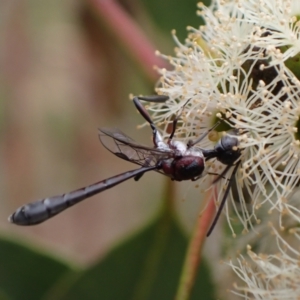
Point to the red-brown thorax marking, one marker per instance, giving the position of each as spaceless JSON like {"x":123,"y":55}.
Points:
{"x":188,"y":164}
{"x":184,"y":168}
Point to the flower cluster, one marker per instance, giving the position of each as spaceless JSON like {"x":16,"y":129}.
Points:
{"x":237,"y":68}
{"x":269,"y":276}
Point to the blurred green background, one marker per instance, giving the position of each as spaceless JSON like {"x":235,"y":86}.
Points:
{"x":63,"y":74}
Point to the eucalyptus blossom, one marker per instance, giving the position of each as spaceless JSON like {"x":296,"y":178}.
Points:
{"x":236,"y":68}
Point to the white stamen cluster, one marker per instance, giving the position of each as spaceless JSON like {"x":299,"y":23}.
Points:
{"x":282,"y":19}
{"x":236,"y":68}
{"x":269,"y":276}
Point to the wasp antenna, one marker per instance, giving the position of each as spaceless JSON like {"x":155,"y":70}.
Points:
{"x":192,"y":143}
{"x":175,"y":121}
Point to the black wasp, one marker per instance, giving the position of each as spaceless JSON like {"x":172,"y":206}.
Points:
{"x":173,"y":158}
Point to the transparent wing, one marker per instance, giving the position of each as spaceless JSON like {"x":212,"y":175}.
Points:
{"x":126,"y":148}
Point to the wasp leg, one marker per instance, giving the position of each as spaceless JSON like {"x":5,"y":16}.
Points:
{"x":219,"y":176}
{"x":157,"y":139}
{"x":212,"y":226}
{"x":139,"y":176}
{"x":154,"y":98}
{"x":222,"y":175}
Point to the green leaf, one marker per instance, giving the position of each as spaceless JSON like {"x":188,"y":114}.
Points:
{"x":4,"y":296}
{"x":146,"y":266}
{"x":170,"y":14}
{"x":26,"y":273}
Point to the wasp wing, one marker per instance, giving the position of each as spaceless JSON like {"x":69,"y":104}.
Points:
{"x":126,"y":148}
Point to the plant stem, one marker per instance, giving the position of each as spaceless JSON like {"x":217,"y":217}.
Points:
{"x":129,"y":35}
{"x":193,"y":254}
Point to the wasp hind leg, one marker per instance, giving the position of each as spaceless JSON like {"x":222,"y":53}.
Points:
{"x":157,"y":139}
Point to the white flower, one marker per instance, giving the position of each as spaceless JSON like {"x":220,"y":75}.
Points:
{"x":276,"y":24}
{"x":233,"y":68}
{"x":271,"y":146}
{"x":269,"y":276}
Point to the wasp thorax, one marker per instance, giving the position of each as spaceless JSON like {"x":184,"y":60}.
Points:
{"x":184,"y":168}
